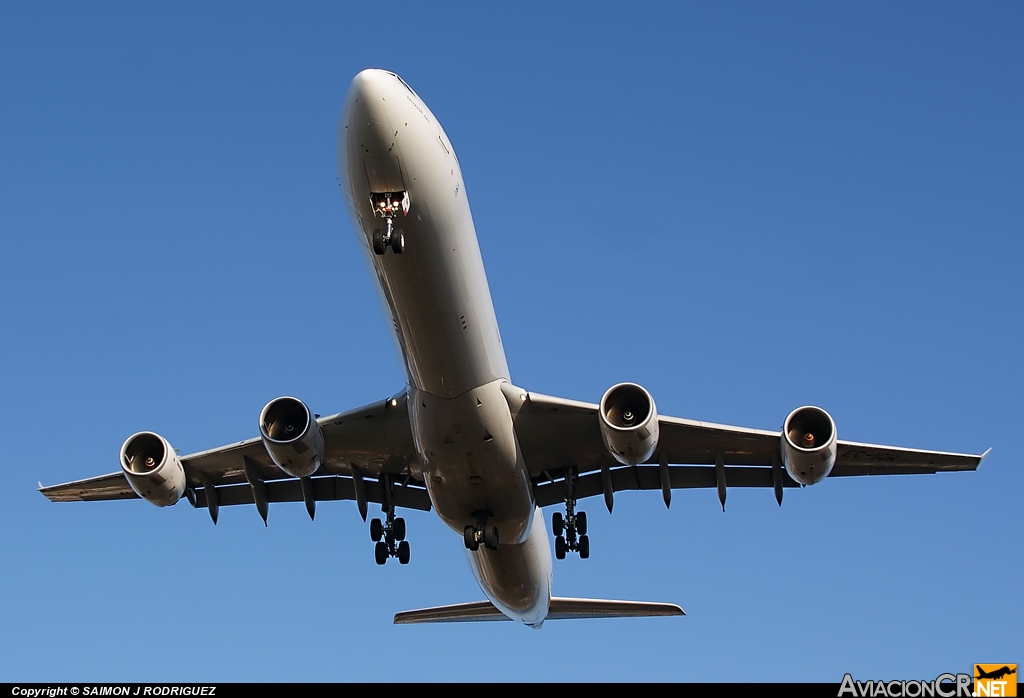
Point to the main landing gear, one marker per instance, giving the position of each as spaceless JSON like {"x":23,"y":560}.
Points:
{"x":389,"y":537}
{"x":473,"y":536}
{"x":570,"y":525}
{"x":388,"y":205}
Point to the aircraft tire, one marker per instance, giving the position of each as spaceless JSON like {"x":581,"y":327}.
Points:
{"x":399,"y":529}
{"x":380,"y":552}
{"x":581,"y":523}
{"x":378,"y":243}
{"x":557,"y":523}
{"x":376,"y":530}
{"x":469,"y":537}
{"x":403,"y":552}
{"x":397,"y":241}
{"x":560,"y":547}
{"x":584,"y":547}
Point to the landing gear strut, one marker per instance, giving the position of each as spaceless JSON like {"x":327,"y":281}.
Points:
{"x":387,"y":205}
{"x":389,"y":535}
{"x":473,"y":536}
{"x":571,"y":524}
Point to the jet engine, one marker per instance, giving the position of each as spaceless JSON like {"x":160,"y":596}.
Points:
{"x":153,"y":468}
{"x":292,"y":436}
{"x":809,"y":444}
{"x":629,"y":423}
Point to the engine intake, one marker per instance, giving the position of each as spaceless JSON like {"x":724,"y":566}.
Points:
{"x":152,"y":468}
{"x":629,"y":423}
{"x":292,"y":436}
{"x":809,"y":444}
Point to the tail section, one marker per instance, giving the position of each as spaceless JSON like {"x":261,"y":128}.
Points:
{"x":559,"y":609}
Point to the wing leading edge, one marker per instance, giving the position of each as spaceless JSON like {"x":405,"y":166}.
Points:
{"x":369,"y":457}
{"x":559,"y":435}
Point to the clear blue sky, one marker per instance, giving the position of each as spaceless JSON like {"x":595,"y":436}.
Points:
{"x":744,"y":207}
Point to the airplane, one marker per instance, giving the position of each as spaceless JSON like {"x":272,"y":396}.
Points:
{"x":995,"y":674}
{"x":461,"y":438}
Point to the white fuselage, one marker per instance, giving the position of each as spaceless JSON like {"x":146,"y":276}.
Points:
{"x":442,"y":313}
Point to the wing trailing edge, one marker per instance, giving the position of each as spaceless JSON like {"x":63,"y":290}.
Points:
{"x":561,"y":608}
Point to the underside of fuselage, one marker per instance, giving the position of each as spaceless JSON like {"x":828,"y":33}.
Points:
{"x":405,"y":190}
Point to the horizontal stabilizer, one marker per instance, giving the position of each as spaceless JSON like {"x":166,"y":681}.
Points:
{"x":456,"y":613}
{"x":560,"y":609}
{"x":564,"y":609}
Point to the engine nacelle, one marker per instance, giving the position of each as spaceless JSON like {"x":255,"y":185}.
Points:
{"x":629,"y":423}
{"x":809,"y":444}
{"x":152,"y":468}
{"x":292,"y":436}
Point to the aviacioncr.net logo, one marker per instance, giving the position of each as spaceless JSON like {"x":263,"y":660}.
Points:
{"x":942,"y":686}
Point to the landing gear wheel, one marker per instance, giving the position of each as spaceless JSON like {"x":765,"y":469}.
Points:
{"x":469,"y":536}
{"x":491,"y":537}
{"x":389,"y":534}
{"x":557,"y":523}
{"x":397,"y":241}
{"x":570,"y":529}
{"x":378,"y":242}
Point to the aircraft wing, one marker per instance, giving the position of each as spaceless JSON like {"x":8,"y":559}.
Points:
{"x":557,"y":435}
{"x":372,"y":445}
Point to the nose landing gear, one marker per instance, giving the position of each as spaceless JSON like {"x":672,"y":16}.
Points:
{"x":387,"y":205}
{"x":570,"y":525}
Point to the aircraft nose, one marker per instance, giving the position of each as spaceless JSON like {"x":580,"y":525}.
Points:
{"x":365,"y":128}
{"x":369,"y":94}
{"x":369,"y":85}
{"x":365,"y":115}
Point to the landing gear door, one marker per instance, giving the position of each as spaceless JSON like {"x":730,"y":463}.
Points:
{"x":384,"y":174}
